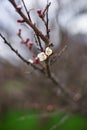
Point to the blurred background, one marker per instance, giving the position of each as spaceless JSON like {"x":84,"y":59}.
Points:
{"x":28,"y":100}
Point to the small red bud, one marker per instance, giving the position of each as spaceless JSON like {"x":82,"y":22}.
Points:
{"x":25,"y":42}
{"x":30,"y":45}
{"x":39,"y":11}
{"x":19,"y":32}
{"x":20,"y":20}
{"x":36,"y":60}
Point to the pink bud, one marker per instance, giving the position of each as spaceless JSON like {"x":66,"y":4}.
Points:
{"x":19,"y":32}
{"x":20,"y":20}
{"x":39,"y":11}
{"x":36,"y":60}
{"x":30,"y":45}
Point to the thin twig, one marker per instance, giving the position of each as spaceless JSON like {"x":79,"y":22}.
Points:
{"x":47,"y":20}
{"x":19,"y":55}
{"x":26,"y":10}
{"x":57,"y":55}
{"x":40,"y":45}
{"x":46,"y":8}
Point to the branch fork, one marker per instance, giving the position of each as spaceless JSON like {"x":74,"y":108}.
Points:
{"x":43,"y":58}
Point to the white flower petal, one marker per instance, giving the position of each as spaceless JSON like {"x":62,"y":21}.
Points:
{"x":31,"y":61}
{"x":42,"y":56}
{"x":48,"y":51}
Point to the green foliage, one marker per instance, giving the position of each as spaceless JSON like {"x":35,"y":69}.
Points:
{"x":34,"y":120}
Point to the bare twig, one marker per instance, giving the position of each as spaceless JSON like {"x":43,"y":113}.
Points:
{"x":47,"y":6}
{"x":57,"y":54}
{"x":26,"y":10}
{"x":47,"y":20}
{"x":39,"y":41}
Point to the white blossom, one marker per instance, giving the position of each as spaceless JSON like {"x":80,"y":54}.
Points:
{"x":42,"y":56}
{"x":48,"y":51}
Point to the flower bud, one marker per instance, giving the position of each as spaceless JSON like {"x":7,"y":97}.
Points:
{"x":39,"y":11}
{"x":20,"y":20}
{"x":30,"y":45}
{"x":19,"y":32}
{"x":36,"y":60}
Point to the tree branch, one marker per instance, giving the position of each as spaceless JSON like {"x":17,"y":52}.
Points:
{"x":19,"y":55}
{"x":37,"y":31}
{"x":68,"y":95}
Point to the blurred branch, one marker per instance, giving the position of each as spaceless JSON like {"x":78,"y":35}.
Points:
{"x":38,"y":116}
{"x":68,"y":94}
{"x":58,"y":54}
{"x":46,"y":39}
{"x":61,"y":122}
